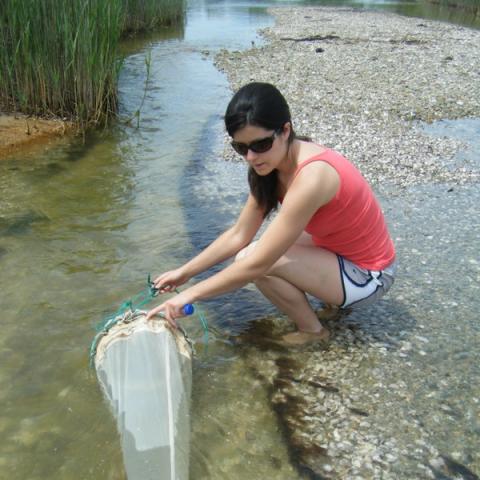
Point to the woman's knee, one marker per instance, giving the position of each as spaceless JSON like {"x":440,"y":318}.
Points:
{"x":245,"y":251}
{"x":261,"y":282}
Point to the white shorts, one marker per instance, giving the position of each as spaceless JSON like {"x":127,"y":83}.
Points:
{"x":361,"y":286}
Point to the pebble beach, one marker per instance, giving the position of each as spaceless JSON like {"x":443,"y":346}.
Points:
{"x":361,"y":82}
{"x":384,"y":400}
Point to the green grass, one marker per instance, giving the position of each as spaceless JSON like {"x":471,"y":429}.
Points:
{"x":147,"y":14}
{"x":60,"y":58}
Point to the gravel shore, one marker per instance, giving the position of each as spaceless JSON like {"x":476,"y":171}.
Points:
{"x":379,"y":402}
{"x":362,"y":83}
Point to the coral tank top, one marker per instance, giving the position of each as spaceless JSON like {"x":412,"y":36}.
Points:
{"x":351,"y":224}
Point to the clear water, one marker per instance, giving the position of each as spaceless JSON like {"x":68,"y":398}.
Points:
{"x":81,"y":226}
{"x":467,"y":130}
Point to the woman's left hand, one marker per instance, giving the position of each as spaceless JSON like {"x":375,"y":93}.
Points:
{"x":171,"y":309}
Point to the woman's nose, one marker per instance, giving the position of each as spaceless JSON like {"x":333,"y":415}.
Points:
{"x":251,"y":156}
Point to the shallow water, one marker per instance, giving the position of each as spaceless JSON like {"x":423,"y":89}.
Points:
{"x":467,"y":130}
{"x":82,"y":225}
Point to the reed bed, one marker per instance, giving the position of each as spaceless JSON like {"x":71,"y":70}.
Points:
{"x":61,"y":58}
{"x":147,"y":14}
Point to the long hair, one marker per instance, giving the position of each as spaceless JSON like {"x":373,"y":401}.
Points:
{"x":260,"y":105}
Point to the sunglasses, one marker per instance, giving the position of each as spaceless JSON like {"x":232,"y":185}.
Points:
{"x":257,"y":146}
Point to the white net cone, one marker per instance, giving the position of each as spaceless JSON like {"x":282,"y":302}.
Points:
{"x":144,"y":369}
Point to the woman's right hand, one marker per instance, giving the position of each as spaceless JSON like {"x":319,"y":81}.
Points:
{"x":169,"y":281}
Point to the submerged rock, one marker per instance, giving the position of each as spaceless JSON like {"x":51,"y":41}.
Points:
{"x":20,"y":224}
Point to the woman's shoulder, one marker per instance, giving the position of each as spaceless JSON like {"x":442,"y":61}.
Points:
{"x":309,"y":150}
{"x":315,"y":184}
{"x":314,"y":159}
{"x":318,"y":157}
{"x":315,"y":173}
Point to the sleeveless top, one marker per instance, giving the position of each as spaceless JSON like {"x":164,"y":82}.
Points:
{"x":351,"y":224}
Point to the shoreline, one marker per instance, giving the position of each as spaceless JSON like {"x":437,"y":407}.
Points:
{"x":22,"y":133}
{"x":372,"y":78}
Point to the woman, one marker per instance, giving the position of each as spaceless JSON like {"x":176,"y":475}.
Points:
{"x":329,"y":238}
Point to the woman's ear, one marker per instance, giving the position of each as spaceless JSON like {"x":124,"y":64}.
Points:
{"x":286,"y":129}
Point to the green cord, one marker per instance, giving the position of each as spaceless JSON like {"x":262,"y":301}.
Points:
{"x":202,"y":319}
{"x":138,"y":301}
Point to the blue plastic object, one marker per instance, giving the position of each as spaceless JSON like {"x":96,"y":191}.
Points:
{"x":188,"y":309}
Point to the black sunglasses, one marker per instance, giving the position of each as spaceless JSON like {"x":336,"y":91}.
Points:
{"x":258,"y":146}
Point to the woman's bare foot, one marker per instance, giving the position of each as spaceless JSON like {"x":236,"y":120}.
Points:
{"x":304,"y":338}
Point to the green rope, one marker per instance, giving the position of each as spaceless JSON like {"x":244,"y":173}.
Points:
{"x":135,"y":303}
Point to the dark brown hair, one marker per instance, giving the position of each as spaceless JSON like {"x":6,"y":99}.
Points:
{"x":260,"y":105}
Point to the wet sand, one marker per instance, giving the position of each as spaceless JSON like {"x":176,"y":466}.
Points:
{"x":21,"y":133}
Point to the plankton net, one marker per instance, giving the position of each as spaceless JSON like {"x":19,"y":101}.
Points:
{"x":144,"y":369}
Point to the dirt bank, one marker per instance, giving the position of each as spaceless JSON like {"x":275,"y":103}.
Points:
{"x":20,"y":133}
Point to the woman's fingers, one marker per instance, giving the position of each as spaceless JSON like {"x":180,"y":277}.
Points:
{"x":167,"y":311}
{"x":151,"y":313}
{"x":160,"y":283}
{"x":172,"y":308}
{"x":165,"y":288}
{"x":169,"y":281}
{"x":164,"y":284}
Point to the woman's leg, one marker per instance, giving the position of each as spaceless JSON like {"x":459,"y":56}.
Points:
{"x":304,"y":268}
{"x":291,"y":301}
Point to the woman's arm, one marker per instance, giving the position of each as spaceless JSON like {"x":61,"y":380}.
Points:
{"x":313,"y":187}
{"x":225,"y":246}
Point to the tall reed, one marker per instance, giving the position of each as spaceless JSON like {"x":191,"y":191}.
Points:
{"x":148,"y":14}
{"x":61,"y":57}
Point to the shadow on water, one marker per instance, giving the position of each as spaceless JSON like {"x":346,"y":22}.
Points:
{"x":203,"y":219}
{"x":385,"y":323}
{"x":380,"y":326}
{"x":380,"y":334}
{"x":37,"y":169}
{"x":134,"y":43}
{"x":48,"y":170}
{"x":21,"y":224}
{"x":211,"y":192}
{"x":456,"y":469}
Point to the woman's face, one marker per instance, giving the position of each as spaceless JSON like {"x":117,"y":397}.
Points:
{"x":265,"y":162}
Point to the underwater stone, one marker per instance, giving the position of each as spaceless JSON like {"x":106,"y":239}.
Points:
{"x":20,"y":224}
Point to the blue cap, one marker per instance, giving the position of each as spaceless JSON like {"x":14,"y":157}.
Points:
{"x":188,"y":309}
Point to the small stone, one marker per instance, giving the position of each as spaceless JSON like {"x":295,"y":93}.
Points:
{"x":437,"y":462}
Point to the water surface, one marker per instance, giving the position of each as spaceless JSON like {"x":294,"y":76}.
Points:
{"x":82,"y":225}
